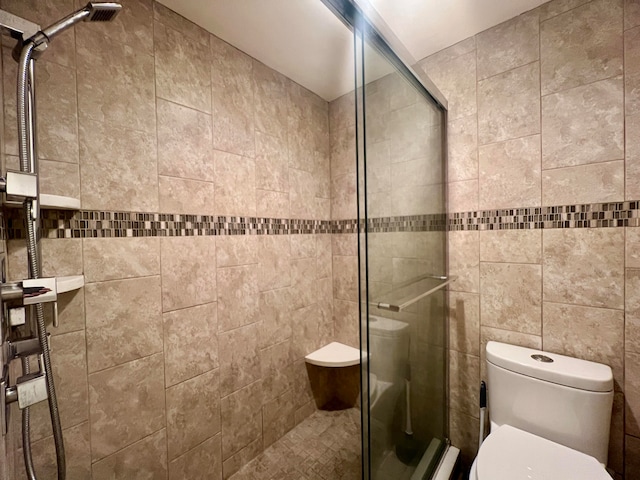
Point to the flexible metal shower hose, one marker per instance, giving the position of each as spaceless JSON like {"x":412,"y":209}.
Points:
{"x":34,"y":271}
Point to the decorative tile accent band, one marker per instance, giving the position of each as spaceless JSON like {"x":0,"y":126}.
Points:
{"x":594,"y":215}
{"x":96,"y":224}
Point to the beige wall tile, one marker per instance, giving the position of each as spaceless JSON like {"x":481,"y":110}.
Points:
{"x":277,"y":373}
{"x":511,"y":296}
{"x":126,"y":403}
{"x":272,"y":163}
{"x":241,"y":419}
{"x":190,"y":342}
{"x":503,"y":117}
{"x":572,"y":54}
{"x":71,"y":313}
{"x":600,"y":182}
{"x":584,"y":267}
{"x":233,"y":106}
{"x":203,"y":462}
{"x":324,"y":256}
{"x":464,"y":431}
{"x":462,"y":140}
{"x":115,"y":85}
{"x":60,"y":257}
{"x":631,"y":14}
{"x":455,"y":77}
{"x":304,"y":290}
{"x":510,"y":173}
{"x":77,"y":453}
{"x":274,"y":262}
{"x":273,"y":204}
{"x":179,"y":195}
{"x":583,"y":125}
{"x":464,"y":322}
{"x":632,"y":157}
{"x":270,"y":97}
{"x":239,"y":358}
{"x":305,"y":332}
{"x":488,"y":334}
{"x":69,"y":359}
{"x":632,"y":459}
{"x":594,"y":334}
{"x":464,"y":261}
{"x":346,"y":318}
{"x":463,"y":196}
{"x":59,"y":178}
{"x":232,"y":464}
{"x":343,"y":150}
{"x":632,"y":393}
{"x":184,"y":142}
{"x":172,"y":19}
{"x":238,"y":297}
{"x":345,"y":278}
{"x":146,"y":458}
{"x":464,"y":379}
{"x":118,"y":258}
{"x":632,"y":247}
{"x":302,"y":194}
{"x":182,"y":68}
{"x":123,"y":309}
{"x":188,"y":271}
{"x":632,"y":71}
{"x":57,"y":113}
{"x":275,"y":325}
{"x":511,"y":44}
{"x":344,"y":244}
{"x":234,"y":250}
{"x":514,"y":246}
{"x":343,"y":198}
{"x":133,"y":26}
{"x":616,"y":435}
{"x":42,"y":13}
{"x":235,"y":184}
{"x":632,"y":310}
{"x":277,"y":417}
{"x":556,"y":7}
{"x":193,"y":412}
{"x":118,"y":167}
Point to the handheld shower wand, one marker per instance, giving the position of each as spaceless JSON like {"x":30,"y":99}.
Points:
{"x":27,"y":140}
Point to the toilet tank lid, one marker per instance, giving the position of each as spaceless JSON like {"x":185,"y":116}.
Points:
{"x":563,"y":370}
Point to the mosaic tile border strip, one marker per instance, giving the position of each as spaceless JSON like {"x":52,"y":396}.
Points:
{"x":593,"y":215}
{"x":110,"y":224}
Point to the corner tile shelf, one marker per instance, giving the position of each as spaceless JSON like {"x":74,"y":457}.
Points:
{"x":70,"y":283}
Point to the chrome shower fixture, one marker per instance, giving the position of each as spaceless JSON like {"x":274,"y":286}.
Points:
{"x":92,"y":12}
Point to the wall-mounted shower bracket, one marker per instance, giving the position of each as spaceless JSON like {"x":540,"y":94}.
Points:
{"x":30,"y":291}
{"x":18,"y":27}
{"x":19,"y":186}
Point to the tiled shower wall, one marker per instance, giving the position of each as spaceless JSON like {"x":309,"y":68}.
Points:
{"x":182,"y":356}
{"x":543,"y":111}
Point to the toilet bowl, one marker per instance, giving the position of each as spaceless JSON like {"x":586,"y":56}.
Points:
{"x":550,"y":417}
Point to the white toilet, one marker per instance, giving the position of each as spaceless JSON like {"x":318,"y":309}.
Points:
{"x":550,"y":417}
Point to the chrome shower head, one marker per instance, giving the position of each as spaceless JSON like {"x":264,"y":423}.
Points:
{"x":102,"y":11}
{"x":92,"y":12}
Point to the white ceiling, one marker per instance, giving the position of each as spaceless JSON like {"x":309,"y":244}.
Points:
{"x":306,"y":42}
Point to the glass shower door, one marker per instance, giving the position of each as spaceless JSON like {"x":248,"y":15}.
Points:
{"x":403,"y":269}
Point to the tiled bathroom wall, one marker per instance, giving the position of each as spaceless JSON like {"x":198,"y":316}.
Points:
{"x":204,"y":178}
{"x":542,"y":113}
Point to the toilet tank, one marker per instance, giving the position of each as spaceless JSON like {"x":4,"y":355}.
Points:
{"x":562,"y":399}
{"x":388,"y":348}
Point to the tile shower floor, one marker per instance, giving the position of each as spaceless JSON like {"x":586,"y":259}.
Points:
{"x":326,"y":446}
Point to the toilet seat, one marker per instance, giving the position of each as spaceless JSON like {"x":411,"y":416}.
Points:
{"x":512,"y":454}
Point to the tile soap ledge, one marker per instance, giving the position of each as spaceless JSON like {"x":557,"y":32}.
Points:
{"x":67,"y":284}
{"x":59,"y":202}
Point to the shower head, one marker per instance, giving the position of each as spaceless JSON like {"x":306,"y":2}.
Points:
{"x":92,"y":12}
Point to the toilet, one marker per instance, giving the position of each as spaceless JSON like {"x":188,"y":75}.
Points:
{"x":550,"y":417}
